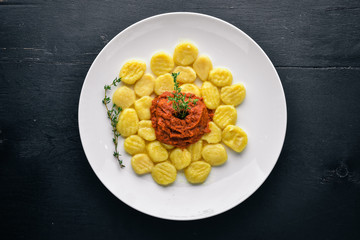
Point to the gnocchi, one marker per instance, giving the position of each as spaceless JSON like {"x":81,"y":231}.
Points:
{"x":195,"y":150}
{"x":233,"y":95}
{"x":145,"y":86}
{"x":161,"y":63}
{"x":185,"y":53}
{"x":134,"y":144}
{"x":146,"y":131}
{"x":181,"y":158}
{"x":235,"y":138}
{"x":141,"y":163}
{"x":157,"y":152}
{"x":220,"y":77}
{"x":214,"y":154}
{"x":128,"y":123}
{"x":197,"y":172}
{"x":202,"y":67}
{"x":132,"y":71}
{"x":164,"y":83}
{"x":124,"y":97}
{"x":210,"y":94}
{"x":225,"y":115}
{"x":190,"y":88}
{"x":214,"y":136}
{"x":142,"y":107}
{"x":187,"y":74}
{"x":164,"y":173}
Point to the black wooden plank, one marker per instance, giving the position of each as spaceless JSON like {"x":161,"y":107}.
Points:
{"x":293,"y":33}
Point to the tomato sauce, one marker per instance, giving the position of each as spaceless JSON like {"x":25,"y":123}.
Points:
{"x":175,"y":131}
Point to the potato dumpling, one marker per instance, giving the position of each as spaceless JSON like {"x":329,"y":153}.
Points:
{"x":146,"y":131}
{"x":132,"y":71}
{"x":214,"y":136}
{"x":145,"y":86}
{"x":124,"y":97}
{"x":235,"y":138}
{"x":164,"y":83}
{"x":195,"y":150}
{"x":164,"y":173}
{"x":185,"y":53}
{"x":190,"y":88}
{"x":202,"y":67}
{"x":210,"y":94}
{"x":167,"y":146}
{"x":157,"y":152}
{"x":142,"y":107}
{"x":220,"y":77}
{"x":197,"y":172}
{"x":181,"y":158}
{"x":161,"y":63}
{"x":233,"y":95}
{"x":225,"y":115}
{"x":141,"y":163}
{"x":187,"y":74}
{"x":214,"y":154}
{"x":128,"y":122}
{"x":134,"y":144}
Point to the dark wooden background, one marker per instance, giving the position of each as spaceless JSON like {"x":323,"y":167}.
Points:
{"x":49,"y":191}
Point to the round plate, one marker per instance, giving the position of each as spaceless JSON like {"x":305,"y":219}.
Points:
{"x":262,"y":115}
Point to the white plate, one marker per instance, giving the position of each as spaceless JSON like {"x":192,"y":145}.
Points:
{"x":262,"y":115}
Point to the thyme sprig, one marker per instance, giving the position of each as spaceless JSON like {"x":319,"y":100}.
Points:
{"x":113,"y":115}
{"x":180,"y":106}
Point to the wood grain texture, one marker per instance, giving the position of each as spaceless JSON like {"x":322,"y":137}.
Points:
{"x":47,"y":188}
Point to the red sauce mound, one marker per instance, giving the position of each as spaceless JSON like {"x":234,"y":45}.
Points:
{"x":175,"y":131}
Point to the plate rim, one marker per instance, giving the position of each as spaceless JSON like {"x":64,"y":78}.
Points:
{"x":227,"y":208}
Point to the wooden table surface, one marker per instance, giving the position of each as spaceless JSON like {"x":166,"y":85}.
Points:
{"x":49,"y":191}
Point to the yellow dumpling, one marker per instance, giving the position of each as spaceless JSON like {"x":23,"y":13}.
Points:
{"x":220,"y":77}
{"x":202,"y":67}
{"x":233,"y":95}
{"x":214,"y":136}
{"x":235,"y":138}
{"x":145,"y":86}
{"x":186,"y":74}
{"x":225,"y":115}
{"x":190,"y":88}
{"x":195,"y":150}
{"x":146,"y":131}
{"x":197,"y":172}
{"x":142,"y":107}
{"x":141,"y":163}
{"x":132,"y":71}
{"x":124,"y":97}
{"x":128,"y":122}
{"x":134,"y":144}
{"x":214,"y":154}
{"x":164,"y":173}
{"x":161,"y":63}
{"x":164,"y":83}
{"x":210,"y":94}
{"x":181,"y":158}
{"x":157,"y":152}
{"x":167,"y":146}
{"x":185,"y":53}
